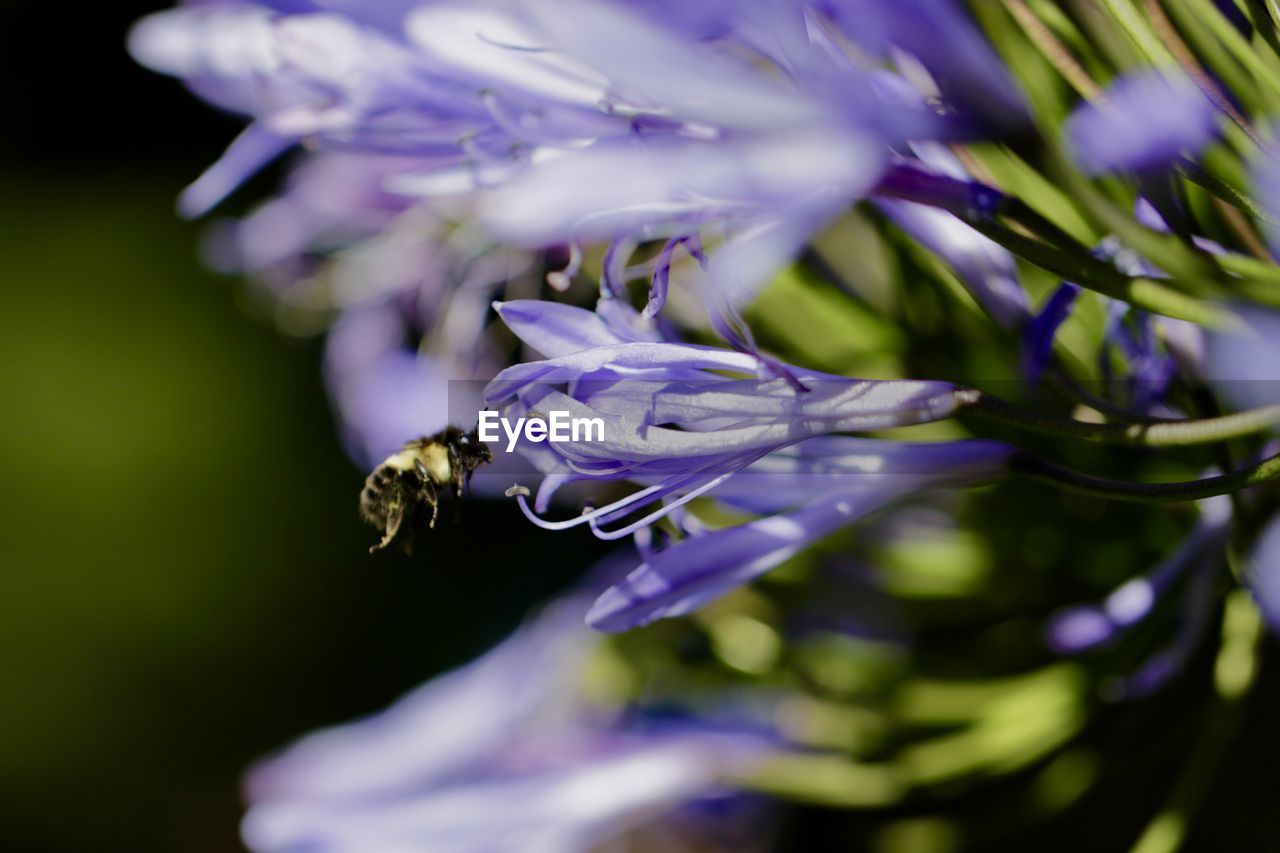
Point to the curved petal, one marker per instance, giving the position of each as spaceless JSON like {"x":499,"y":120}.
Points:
{"x":687,"y":575}
{"x":555,"y":329}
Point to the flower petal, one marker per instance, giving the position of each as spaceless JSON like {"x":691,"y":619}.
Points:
{"x":555,"y":329}
{"x":254,"y":148}
{"x":579,"y":805}
{"x":985,"y":269}
{"x":619,"y":186}
{"x":399,"y":750}
{"x":651,"y":65}
{"x":697,"y":569}
{"x":1147,"y":120}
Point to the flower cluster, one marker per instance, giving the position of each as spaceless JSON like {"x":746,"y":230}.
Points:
{"x":525,"y":764}
{"x":814,"y":263}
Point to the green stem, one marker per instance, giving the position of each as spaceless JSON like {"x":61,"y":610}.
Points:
{"x":1195,"y":173}
{"x":1018,"y":211}
{"x":1264,"y":23}
{"x":1262,"y":66}
{"x":1139,"y":31}
{"x":1087,"y":271}
{"x":1206,"y":406}
{"x":1214,"y":55}
{"x":1256,"y":273}
{"x":1069,"y":388}
{"x":1036,"y":468}
{"x":1190,"y":267}
{"x":1179,"y":433}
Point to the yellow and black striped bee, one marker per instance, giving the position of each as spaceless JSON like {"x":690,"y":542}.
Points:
{"x":406,"y":485}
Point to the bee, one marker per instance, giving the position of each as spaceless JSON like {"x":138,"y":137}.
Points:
{"x":408,"y":483}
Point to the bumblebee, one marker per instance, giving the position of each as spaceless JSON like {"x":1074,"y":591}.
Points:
{"x":408,"y":483}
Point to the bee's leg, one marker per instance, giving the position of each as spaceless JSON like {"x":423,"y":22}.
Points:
{"x":395,"y":517}
{"x":429,"y":496}
{"x":455,"y":471}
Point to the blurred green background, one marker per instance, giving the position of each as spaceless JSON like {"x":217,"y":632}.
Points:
{"x":184,"y":582}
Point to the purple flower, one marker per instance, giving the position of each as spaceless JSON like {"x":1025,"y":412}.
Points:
{"x":1148,"y":119}
{"x":1039,"y":334}
{"x":384,"y":392}
{"x":498,"y":755}
{"x":747,"y":124}
{"x":675,"y":425}
{"x":814,"y":489}
{"x":939,"y":35}
{"x":331,"y":203}
{"x":1194,"y":616}
{"x":723,"y":149}
{"x":446,"y":83}
{"x":985,"y":269}
{"x":406,"y":299}
{"x":670,"y":412}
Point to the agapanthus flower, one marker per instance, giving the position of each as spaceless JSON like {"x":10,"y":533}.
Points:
{"x":505,"y":753}
{"x":1134,"y":365}
{"x":478,"y":89}
{"x":405,"y":296}
{"x":671,"y":408}
{"x":1143,"y":121}
{"x":749,"y":123}
{"x":679,"y":425}
{"x":333,"y":236}
{"x":461,"y":169}
{"x":966,"y":72}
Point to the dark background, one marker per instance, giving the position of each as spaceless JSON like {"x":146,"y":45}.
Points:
{"x":184,"y":583}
